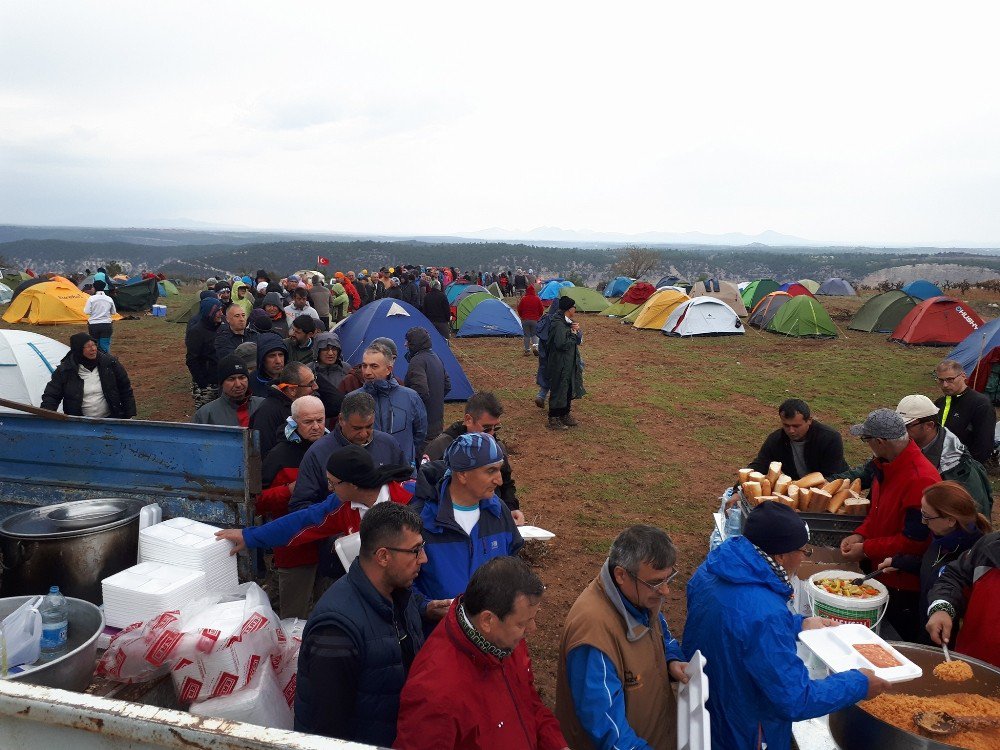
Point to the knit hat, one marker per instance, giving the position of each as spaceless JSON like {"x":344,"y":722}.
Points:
{"x":232,"y":365}
{"x":354,"y":465}
{"x":294,"y":277}
{"x":881,"y":423}
{"x":247,"y":352}
{"x":389,"y":343}
{"x":472,"y":450}
{"x":100,"y":286}
{"x":776,"y":528}
{"x":259,"y":320}
{"x":565,"y":303}
{"x":76,"y":343}
{"x":918,"y":406}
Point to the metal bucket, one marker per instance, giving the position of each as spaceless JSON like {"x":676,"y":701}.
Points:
{"x":74,"y":670}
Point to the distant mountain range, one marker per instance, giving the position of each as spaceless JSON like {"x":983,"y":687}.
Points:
{"x":588,"y":237}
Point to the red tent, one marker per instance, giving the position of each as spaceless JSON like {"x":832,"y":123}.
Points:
{"x":794,"y":289}
{"x":938,"y":321}
{"x":638,"y":293}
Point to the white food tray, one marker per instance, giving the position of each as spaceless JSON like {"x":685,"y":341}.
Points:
{"x":835,"y":648}
{"x":534,"y":532}
{"x":694,"y":730}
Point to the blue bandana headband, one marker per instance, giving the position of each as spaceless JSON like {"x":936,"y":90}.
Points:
{"x":472,"y":451}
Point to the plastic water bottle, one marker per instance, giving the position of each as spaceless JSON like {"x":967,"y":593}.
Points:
{"x":55,"y":623}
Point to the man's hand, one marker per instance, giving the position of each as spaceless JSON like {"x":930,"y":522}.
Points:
{"x":291,"y":486}
{"x":886,"y":565}
{"x":816,"y":623}
{"x":848,"y":542}
{"x":939,"y":627}
{"x":235,"y":536}
{"x":437,"y":609}
{"x":854,"y":553}
{"x":518,"y":517}
{"x":876,"y":685}
{"x":676,"y":671}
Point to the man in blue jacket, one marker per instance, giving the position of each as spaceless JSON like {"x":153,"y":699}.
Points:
{"x":738,"y":617}
{"x":398,"y":409}
{"x":465,"y":523}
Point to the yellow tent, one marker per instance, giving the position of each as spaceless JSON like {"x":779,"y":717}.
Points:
{"x":49,"y":303}
{"x":657,"y":309}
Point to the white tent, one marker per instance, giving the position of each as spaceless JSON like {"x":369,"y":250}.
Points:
{"x":6,"y":294}
{"x":27,"y":361}
{"x":703,"y":316}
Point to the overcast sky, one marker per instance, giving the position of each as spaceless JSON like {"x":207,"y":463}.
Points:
{"x":849,"y":122}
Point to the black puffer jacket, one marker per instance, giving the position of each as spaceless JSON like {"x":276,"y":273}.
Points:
{"x":66,"y":386}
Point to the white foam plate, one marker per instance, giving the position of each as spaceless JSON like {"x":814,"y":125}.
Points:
{"x":835,"y":648}
{"x":534,"y":532}
{"x":694,"y":730}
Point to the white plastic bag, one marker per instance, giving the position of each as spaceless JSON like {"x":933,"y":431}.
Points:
{"x":21,"y":635}
{"x":261,"y":702}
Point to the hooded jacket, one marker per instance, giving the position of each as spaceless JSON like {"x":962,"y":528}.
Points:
{"x":452,"y":555}
{"x":330,"y":374}
{"x":199,"y":340}
{"x":66,"y":386}
{"x":340,"y":302}
{"x":266,"y":343}
{"x":279,"y":469}
{"x":319,"y":298}
{"x":400,"y":412}
{"x":279,"y":323}
{"x":530,"y":307}
{"x":270,"y":418}
{"x":457,"y":696}
{"x":246,"y":302}
{"x":436,"y":307}
{"x":426,"y":375}
{"x":738,"y":618}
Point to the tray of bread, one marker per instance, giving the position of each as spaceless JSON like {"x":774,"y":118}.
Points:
{"x":811,"y":494}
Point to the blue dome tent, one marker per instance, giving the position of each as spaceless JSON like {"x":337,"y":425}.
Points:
{"x":392,"y":318}
{"x":922,"y":289}
{"x":551,"y":290}
{"x":491,"y":317}
{"x":836,"y":288}
{"x":617,"y":287}
{"x":453,"y":290}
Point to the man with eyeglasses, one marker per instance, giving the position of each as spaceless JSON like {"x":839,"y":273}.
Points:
{"x":294,"y":381}
{"x":617,"y":657}
{"x":362,"y":637}
{"x":966,"y":412}
{"x":482,"y":414}
{"x":893,"y":526}
{"x":740,"y":620}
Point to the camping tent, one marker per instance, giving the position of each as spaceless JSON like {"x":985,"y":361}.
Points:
{"x":794,"y":288}
{"x":765,"y":310}
{"x":803,"y":317}
{"x":491,"y":317}
{"x":551,"y":289}
{"x":453,"y":290}
{"x":883,"y":312}
{"x":392,"y":318}
{"x":469,"y":290}
{"x":703,"y":316}
{"x":27,"y":361}
{"x":50,"y":302}
{"x":28,"y":283}
{"x":812,"y":286}
{"x":616,"y":287}
{"x":922,"y":289}
{"x":656,"y":310}
{"x":633,"y":298}
{"x":166,"y":288}
{"x":587,"y":300}
{"x":938,"y":321}
{"x":978,"y":354}
{"x":136,"y":295}
{"x":836,"y":288}
{"x":756,"y":290}
{"x":468,"y":303}
{"x":721,"y":290}
{"x":494,"y":289}
{"x":6,"y":294}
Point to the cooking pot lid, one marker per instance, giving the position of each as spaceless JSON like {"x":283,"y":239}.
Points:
{"x":71,"y":519}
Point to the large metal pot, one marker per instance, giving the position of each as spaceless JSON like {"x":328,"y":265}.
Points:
{"x":855,"y":729}
{"x":74,"y":670}
{"x":70,"y":545}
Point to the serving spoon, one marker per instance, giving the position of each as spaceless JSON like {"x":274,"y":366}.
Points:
{"x":859,"y":581}
{"x":941,"y":723}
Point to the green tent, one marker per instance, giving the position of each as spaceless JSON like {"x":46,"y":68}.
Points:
{"x":169,"y":288}
{"x":494,"y":289}
{"x":587,"y":300}
{"x":620,"y":309}
{"x":139,"y":295}
{"x":467,"y":305}
{"x":883,"y":312}
{"x":185,"y":314}
{"x":755,"y":291}
{"x":803,"y":317}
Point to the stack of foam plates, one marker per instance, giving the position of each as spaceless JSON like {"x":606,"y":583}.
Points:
{"x":146,"y":590}
{"x":191,"y":544}
{"x":694,"y":729}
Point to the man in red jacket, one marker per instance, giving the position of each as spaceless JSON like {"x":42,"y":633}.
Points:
{"x":894,"y":525}
{"x":529,"y":310}
{"x":471,"y":686}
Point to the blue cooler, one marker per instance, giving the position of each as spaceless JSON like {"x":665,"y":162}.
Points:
{"x":159,"y":311}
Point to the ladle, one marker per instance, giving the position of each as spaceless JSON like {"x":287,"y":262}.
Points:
{"x":941,"y":723}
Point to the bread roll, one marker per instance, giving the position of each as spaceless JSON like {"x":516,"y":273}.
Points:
{"x":805,"y":494}
{"x":752,"y":490}
{"x":834,"y":486}
{"x":765,"y":486}
{"x":857,"y":506}
{"x":745,"y":475}
{"x":819,"y":500}
{"x":781,"y":485}
{"x":811,"y":480}
{"x":773,"y":472}
{"x":755,"y":476}
{"x":856,"y":485}
{"x":838,"y":500}
{"x":786,"y":500}
{"x":793,"y":492}
{"x":766,"y":498}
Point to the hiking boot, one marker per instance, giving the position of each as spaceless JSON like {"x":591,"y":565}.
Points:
{"x":540,"y":402}
{"x":534,"y":349}
{"x":556,"y":424}
{"x":568,"y":421}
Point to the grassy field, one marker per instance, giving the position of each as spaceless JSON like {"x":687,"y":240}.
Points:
{"x":664,"y":427}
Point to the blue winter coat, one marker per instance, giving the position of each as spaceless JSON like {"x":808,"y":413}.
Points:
{"x":738,"y":617}
{"x":452,"y":555}
{"x":399,"y":412}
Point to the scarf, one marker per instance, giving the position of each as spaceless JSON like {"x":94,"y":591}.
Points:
{"x":477,"y":638}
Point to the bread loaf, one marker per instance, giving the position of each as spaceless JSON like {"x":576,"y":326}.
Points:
{"x":838,"y":500}
{"x":811,"y":480}
{"x":819,"y":500}
{"x":786,"y":500}
{"x":857,"y":506}
{"x":752,"y":491}
{"x":766,"y":498}
{"x":793,"y":493}
{"x":765,"y":486}
{"x":805,"y":495}
{"x":781,"y":485}
{"x":773,"y":472}
{"x":856,"y":485}
{"x":745,"y":475}
{"x":834,"y":486}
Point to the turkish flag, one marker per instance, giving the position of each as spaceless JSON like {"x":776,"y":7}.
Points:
{"x":320,"y":260}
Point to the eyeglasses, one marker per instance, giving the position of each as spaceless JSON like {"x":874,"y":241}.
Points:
{"x":489,"y":429}
{"x":311,"y":384}
{"x":332,"y":486}
{"x":807,"y":551}
{"x":926,"y":517}
{"x":654,"y":586}
{"x":415,"y":551}
{"x":950,"y":380}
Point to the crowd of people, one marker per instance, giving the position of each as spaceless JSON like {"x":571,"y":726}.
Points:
{"x":419,"y":642}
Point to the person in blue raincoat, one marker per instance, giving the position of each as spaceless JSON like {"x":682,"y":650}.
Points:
{"x":739,"y":618}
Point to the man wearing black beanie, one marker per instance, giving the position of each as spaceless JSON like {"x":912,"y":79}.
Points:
{"x":563,"y":367}
{"x":235,"y":406}
{"x":740,"y":620}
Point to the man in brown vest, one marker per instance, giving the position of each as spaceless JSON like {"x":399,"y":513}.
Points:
{"x":617,"y":657}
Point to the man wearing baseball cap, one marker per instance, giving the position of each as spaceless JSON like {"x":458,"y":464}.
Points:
{"x":739,"y":619}
{"x":894,"y":525}
{"x":236,"y":405}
